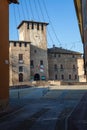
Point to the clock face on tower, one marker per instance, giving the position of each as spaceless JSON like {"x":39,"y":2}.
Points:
{"x":37,"y":38}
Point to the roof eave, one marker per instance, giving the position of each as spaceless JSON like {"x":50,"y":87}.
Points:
{"x":78,"y":8}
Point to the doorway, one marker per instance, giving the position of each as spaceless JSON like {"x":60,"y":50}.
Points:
{"x":36,"y":77}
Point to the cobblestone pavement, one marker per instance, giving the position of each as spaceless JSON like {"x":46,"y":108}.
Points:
{"x":44,"y":108}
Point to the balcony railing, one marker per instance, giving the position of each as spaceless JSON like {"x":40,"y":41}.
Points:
{"x":21,"y":61}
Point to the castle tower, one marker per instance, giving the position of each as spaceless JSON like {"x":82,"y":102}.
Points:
{"x":19,"y":59}
{"x":35,"y":32}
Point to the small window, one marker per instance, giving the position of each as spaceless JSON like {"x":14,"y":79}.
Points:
{"x":20,"y":77}
{"x":74,"y":68}
{"x":61,"y":67}
{"x":55,"y":67}
{"x":69,"y":76}
{"x":35,"y":51}
{"x":75,"y":76}
{"x":41,"y":62}
{"x":62,"y":76}
{"x":56,"y":77}
{"x":55,"y":55}
{"x":20,"y":68}
{"x":20,"y":57}
{"x":59,"y":55}
{"x":73,"y":56}
{"x":32,"y":64}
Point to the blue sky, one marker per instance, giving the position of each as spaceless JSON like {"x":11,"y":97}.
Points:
{"x":63,"y":28}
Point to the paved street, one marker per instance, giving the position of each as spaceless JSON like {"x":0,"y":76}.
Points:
{"x":43,"y":108}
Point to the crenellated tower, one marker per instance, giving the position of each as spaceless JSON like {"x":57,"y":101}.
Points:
{"x":35,"y":32}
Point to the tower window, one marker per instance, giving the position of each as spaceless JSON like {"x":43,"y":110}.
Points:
{"x":20,"y":57}
{"x":41,"y":62}
{"x":20,"y":68}
{"x":20,"y":77}
{"x":32,"y":64}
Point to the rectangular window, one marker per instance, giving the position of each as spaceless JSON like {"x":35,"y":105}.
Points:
{"x":55,"y":67}
{"x":62,"y":76}
{"x":75,"y":76}
{"x":73,"y":56}
{"x":56,"y":77}
{"x":55,"y":55}
{"x":41,"y":62}
{"x":32,"y":64}
{"x":74,"y":68}
{"x":59,"y":55}
{"x":69,"y":76}
{"x":20,"y":68}
{"x":61,"y":68}
{"x":20,"y":57}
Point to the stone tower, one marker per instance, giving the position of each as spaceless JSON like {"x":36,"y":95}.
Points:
{"x":35,"y":32}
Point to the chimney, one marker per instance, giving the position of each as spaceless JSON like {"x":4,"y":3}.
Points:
{"x":54,"y":46}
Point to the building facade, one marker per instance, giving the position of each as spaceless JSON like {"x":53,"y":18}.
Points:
{"x":65,"y":65}
{"x":81,"y":11}
{"x":31,"y":60}
{"x":19,"y":57}
{"x":35,"y":55}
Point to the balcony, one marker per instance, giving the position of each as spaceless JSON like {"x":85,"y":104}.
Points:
{"x":21,"y":61}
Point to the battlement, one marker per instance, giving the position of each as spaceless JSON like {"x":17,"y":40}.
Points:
{"x":19,"y":43}
{"x":33,"y":24}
